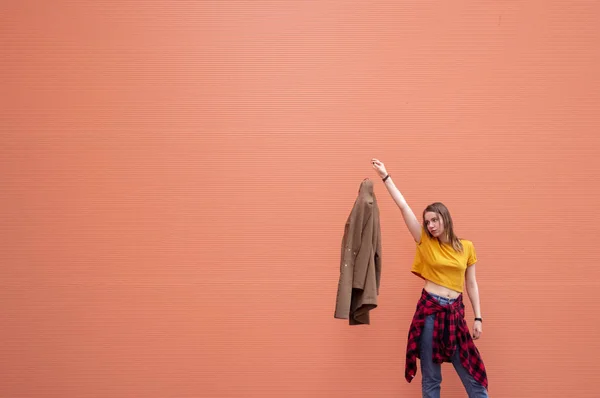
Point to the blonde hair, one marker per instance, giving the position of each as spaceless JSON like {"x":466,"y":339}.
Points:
{"x":442,"y":210}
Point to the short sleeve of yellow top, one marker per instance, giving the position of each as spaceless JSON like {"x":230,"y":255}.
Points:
{"x":440,"y":263}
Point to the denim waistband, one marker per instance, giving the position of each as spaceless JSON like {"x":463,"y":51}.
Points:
{"x":442,"y":300}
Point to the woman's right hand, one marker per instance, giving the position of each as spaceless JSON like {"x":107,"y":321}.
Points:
{"x":379,"y":167}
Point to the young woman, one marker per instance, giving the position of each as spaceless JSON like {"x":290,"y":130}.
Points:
{"x":438,"y":332}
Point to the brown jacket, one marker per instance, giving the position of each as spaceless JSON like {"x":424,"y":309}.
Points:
{"x":360,"y":266}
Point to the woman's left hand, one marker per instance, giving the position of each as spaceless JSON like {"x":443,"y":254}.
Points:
{"x":477,"y":330}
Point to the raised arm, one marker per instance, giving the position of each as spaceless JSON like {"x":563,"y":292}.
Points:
{"x":409,"y":217}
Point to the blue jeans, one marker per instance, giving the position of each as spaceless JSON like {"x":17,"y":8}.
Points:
{"x":432,"y":372}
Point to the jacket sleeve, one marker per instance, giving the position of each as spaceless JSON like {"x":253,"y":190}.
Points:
{"x":365,"y":248}
{"x":377,"y":240}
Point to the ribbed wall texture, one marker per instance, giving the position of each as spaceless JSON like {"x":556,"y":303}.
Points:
{"x":176,"y":176}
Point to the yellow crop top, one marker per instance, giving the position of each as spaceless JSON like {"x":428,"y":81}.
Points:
{"x":441,"y":264}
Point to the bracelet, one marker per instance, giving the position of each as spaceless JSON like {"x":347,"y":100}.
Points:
{"x":479,"y":319}
{"x":385,"y":178}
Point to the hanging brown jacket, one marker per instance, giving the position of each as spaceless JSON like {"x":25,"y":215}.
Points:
{"x":360,"y":265}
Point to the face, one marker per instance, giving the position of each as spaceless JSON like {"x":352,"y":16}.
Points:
{"x":434,"y":223}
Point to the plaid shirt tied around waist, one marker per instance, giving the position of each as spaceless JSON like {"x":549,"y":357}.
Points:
{"x":450,"y":332}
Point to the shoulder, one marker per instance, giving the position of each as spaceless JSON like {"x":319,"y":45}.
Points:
{"x":469,"y":251}
{"x":425,"y":239}
{"x":467,"y":243}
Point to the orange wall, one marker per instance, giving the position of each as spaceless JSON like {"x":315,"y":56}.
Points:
{"x":176,"y":177}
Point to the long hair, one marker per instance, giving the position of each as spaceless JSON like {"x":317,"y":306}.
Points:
{"x":444,"y":213}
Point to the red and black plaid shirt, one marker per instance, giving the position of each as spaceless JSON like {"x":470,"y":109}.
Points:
{"x":449,"y":332}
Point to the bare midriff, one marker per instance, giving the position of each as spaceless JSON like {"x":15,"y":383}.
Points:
{"x":442,"y":291}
